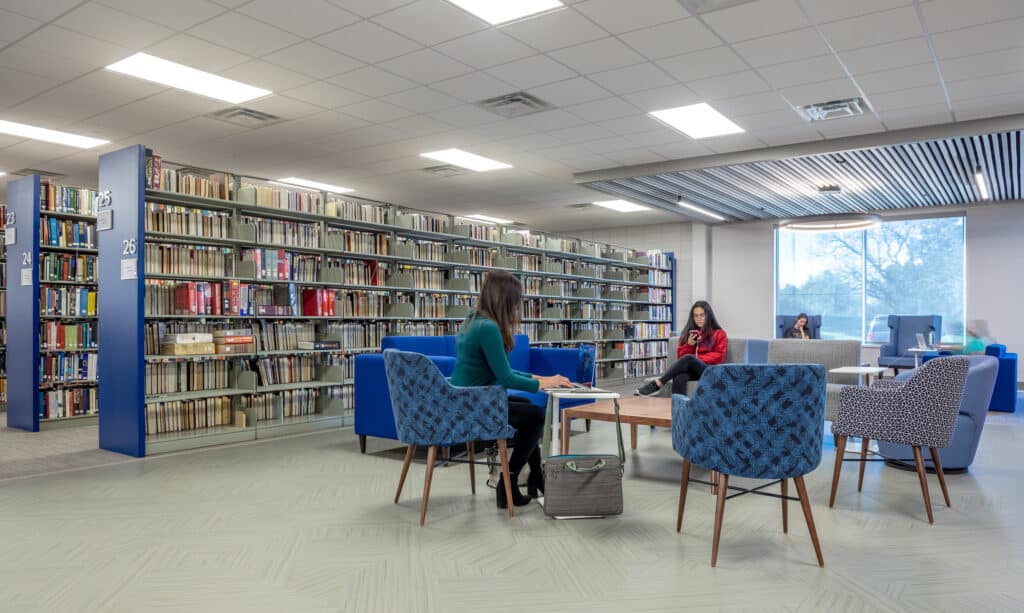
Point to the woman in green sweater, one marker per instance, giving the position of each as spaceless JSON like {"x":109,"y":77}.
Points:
{"x":481,"y":358}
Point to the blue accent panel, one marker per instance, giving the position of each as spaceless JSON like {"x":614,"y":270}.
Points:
{"x":122,"y":366}
{"x":23,"y":307}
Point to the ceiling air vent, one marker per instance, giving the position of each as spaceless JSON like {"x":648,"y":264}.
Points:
{"x":513,"y":105}
{"x":445,"y":170}
{"x":582,"y":205}
{"x":35,"y":171}
{"x":247,"y":118}
{"x":835,"y":109}
{"x":829,"y":189}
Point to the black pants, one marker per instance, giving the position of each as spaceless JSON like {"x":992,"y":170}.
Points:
{"x":528,"y":420}
{"x":682,"y":371}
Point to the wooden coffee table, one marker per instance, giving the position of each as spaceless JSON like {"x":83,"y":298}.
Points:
{"x":633,"y":410}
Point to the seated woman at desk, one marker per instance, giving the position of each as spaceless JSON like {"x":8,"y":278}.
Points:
{"x":798,"y":329}
{"x":702,"y":343}
{"x":481,"y":358}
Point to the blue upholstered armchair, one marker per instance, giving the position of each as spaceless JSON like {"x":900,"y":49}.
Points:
{"x":760,"y":421}
{"x":431,"y":412}
{"x":785,"y":322}
{"x":1004,"y":396}
{"x":903,"y":331}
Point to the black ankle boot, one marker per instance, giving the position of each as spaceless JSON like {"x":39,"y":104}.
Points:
{"x":518,"y":499}
{"x":535,"y":482}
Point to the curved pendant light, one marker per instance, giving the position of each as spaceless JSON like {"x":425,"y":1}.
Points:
{"x":831,"y":223}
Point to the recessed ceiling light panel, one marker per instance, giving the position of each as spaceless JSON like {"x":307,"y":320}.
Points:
{"x":50,"y":136}
{"x":325,"y":187}
{"x":697,"y":209}
{"x":487,"y":218}
{"x":622,"y":206}
{"x":697,"y":120}
{"x":496,"y":12}
{"x":827,"y":223}
{"x":171,"y":74}
{"x":465,"y":159}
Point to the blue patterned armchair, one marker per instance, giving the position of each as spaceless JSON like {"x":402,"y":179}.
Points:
{"x":431,"y":412}
{"x":760,"y":421}
{"x":919,"y":411}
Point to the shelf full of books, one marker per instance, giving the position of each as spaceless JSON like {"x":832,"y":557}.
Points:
{"x":50,"y":232}
{"x":3,"y":311}
{"x":239,"y":305}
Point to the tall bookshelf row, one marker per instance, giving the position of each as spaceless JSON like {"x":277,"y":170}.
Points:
{"x":233,"y":308}
{"x":51,"y":235}
{"x":3,"y":310}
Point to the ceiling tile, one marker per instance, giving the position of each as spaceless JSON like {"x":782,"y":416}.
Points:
{"x":755,"y":19}
{"x":313,"y":60}
{"x":305,"y":18}
{"x":662,"y":136}
{"x":821,"y":68}
{"x":582,"y":133}
{"x":243,"y":34}
{"x":786,"y":47}
{"x":681,"y":150}
{"x":368,"y":42}
{"x":77,"y":49}
{"x":13,"y":26}
{"x":873,"y":29}
{"x":369,"y":8}
{"x":989,"y":107}
{"x":69,"y":103}
{"x":898,"y":78}
{"x":554,"y":30}
{"x":324,"y":94}
{"x":285,"y":108}
{"x":928,"y":115}
{"x":633,"y":124}
{"x":633,"y":78}
{"x":662,"y":98}
{"x":430,"y":22}
{"x":44,"y":62}
{"x":190,"y":132}
{"x":598,"y":55}
{"x":787,"y":135}
{"x":824,"y":91}
{"x":376,"y":111}
{"x":532,"y":71}
{"x":43,"y":11}
{"x":418,"y":125}
{"x":20,"y":86}
{"x":944,"y":15}
{"x":425,"y":66}
{"x":749,"y":105}
{"x":601,"y":110}
{"x":849,"y":126}
{"x":634,"y":156}
{"x":197,"y":53}
{"x":618,"y":17}
{"x":985,"y":86}
{"x":177,"y":15}
{"x":906,"y":98}
{"x":983,"y":65}
{"x":422,"y":100}
{"x":979,"y":39}
{"x":464,"y":116}
{"x":729,"y":86}
{"x":822,"y":11}
{"x":372,"y":81}
{"x":267,"y":76}
{"x":733,"y":142}
{"x":485,"y":49}
{"x":364,"y":137}
{"x":702,"y":64}
{"x":890,"y":55}
{"x":474,"y":86}
{"x":570,"y":91}
{"x":771,"y":120}
{"x":670,"y":39}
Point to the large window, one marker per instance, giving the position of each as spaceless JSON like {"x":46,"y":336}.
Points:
{"x":855,"y":280}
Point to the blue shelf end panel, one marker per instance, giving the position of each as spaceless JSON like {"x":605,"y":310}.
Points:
{"x":23,"y":304}
{"x":120,"y":302}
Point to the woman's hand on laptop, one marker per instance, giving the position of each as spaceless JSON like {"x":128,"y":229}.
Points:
{"x":553,"y":381}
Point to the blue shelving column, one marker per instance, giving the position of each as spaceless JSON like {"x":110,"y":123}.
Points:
{"x":22,"y":237}
{"x":120,"y":301}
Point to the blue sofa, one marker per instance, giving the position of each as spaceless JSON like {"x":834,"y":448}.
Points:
{"x":374,"y":416}
{"x":981,"y":377}
{"x":903,"y":331}
{"x":1004,"y":396}
{"x":785,"y":322}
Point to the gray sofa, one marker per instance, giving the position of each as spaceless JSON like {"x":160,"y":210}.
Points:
{"x":738,"y":352}
{"x":830,"y":354}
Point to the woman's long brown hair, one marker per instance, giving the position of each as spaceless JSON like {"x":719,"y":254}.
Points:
{"x":501,"y":299}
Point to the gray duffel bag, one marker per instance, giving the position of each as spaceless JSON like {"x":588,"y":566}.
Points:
{"x":585,"y":485}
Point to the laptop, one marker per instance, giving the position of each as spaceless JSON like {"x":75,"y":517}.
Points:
{"x":578,"y":388}
{"x":921,"y":341}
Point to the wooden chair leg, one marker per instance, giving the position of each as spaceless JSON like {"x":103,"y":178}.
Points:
{"x":785,"y":506}
{"x":362,"y":443}
{"x":431,"y":458}
{"x":937,"y":463}
{"x":506,"y":478}
{"x":864,"y":442}
{"x":840,"y":449}
{"x":922,"y":477}
{"x":805,"y":504}
{"x":715,"y":475}
{"x":472,"y":467}
{"x":409,"y":451}
{"x":723,"y":487}
{"x":683,"y":486}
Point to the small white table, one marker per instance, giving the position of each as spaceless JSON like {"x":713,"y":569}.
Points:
{"x":861,"y":371}
{"x":917,"y":351}
{"x":554,"y":398}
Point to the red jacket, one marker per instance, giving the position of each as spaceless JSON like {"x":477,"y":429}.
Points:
{"x":710,"y":351}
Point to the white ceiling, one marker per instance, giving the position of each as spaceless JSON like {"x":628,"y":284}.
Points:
{"x":367,"y":85}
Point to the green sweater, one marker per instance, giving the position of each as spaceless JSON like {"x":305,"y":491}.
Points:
{"x":481,"y":359}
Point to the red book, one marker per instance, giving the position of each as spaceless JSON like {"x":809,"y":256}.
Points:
{"x":282,"y":265}
{"x":193,"y":303}
{"x":181,"y":300}
{"x":215,"y":300}
{"x":234,"y":340}
{"x":311,"y":302}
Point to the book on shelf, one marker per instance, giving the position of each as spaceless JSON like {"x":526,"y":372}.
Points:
{"x":187,"y":349}
{"x":319,"y":345}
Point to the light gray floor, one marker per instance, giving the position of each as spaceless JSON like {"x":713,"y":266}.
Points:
{"x":307,"y":524}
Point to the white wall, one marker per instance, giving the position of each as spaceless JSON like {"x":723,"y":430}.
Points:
{"x":743,"y":278}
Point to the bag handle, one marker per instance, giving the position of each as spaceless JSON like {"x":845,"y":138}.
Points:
{"x":618,"y":434}
{"x":593,"y":469}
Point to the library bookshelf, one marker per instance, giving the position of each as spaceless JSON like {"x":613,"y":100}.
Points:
{"x":51,"y":238}
{"x":3,"y":311}
{"x":317,"y":278}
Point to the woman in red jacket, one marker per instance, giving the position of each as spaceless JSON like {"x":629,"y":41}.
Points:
{"x":702,"y":343}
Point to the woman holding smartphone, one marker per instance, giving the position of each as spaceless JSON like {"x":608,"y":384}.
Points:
{"x":702,"y":343}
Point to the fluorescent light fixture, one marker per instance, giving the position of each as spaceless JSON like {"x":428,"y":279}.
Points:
{"x":497,"y":12}
{"x":979,"y":178}
{"x":324,"y":187}
{"x":50,"y":136}
{"x":487,"y":218}
{"x":164,"y":72}
{"x":697,"y":120}
{"x":2,"y":173}
{"x":697,"y":209}
{"x":465,"y":159}
{"x":842,"y":223}
{"x":622,"y":206}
